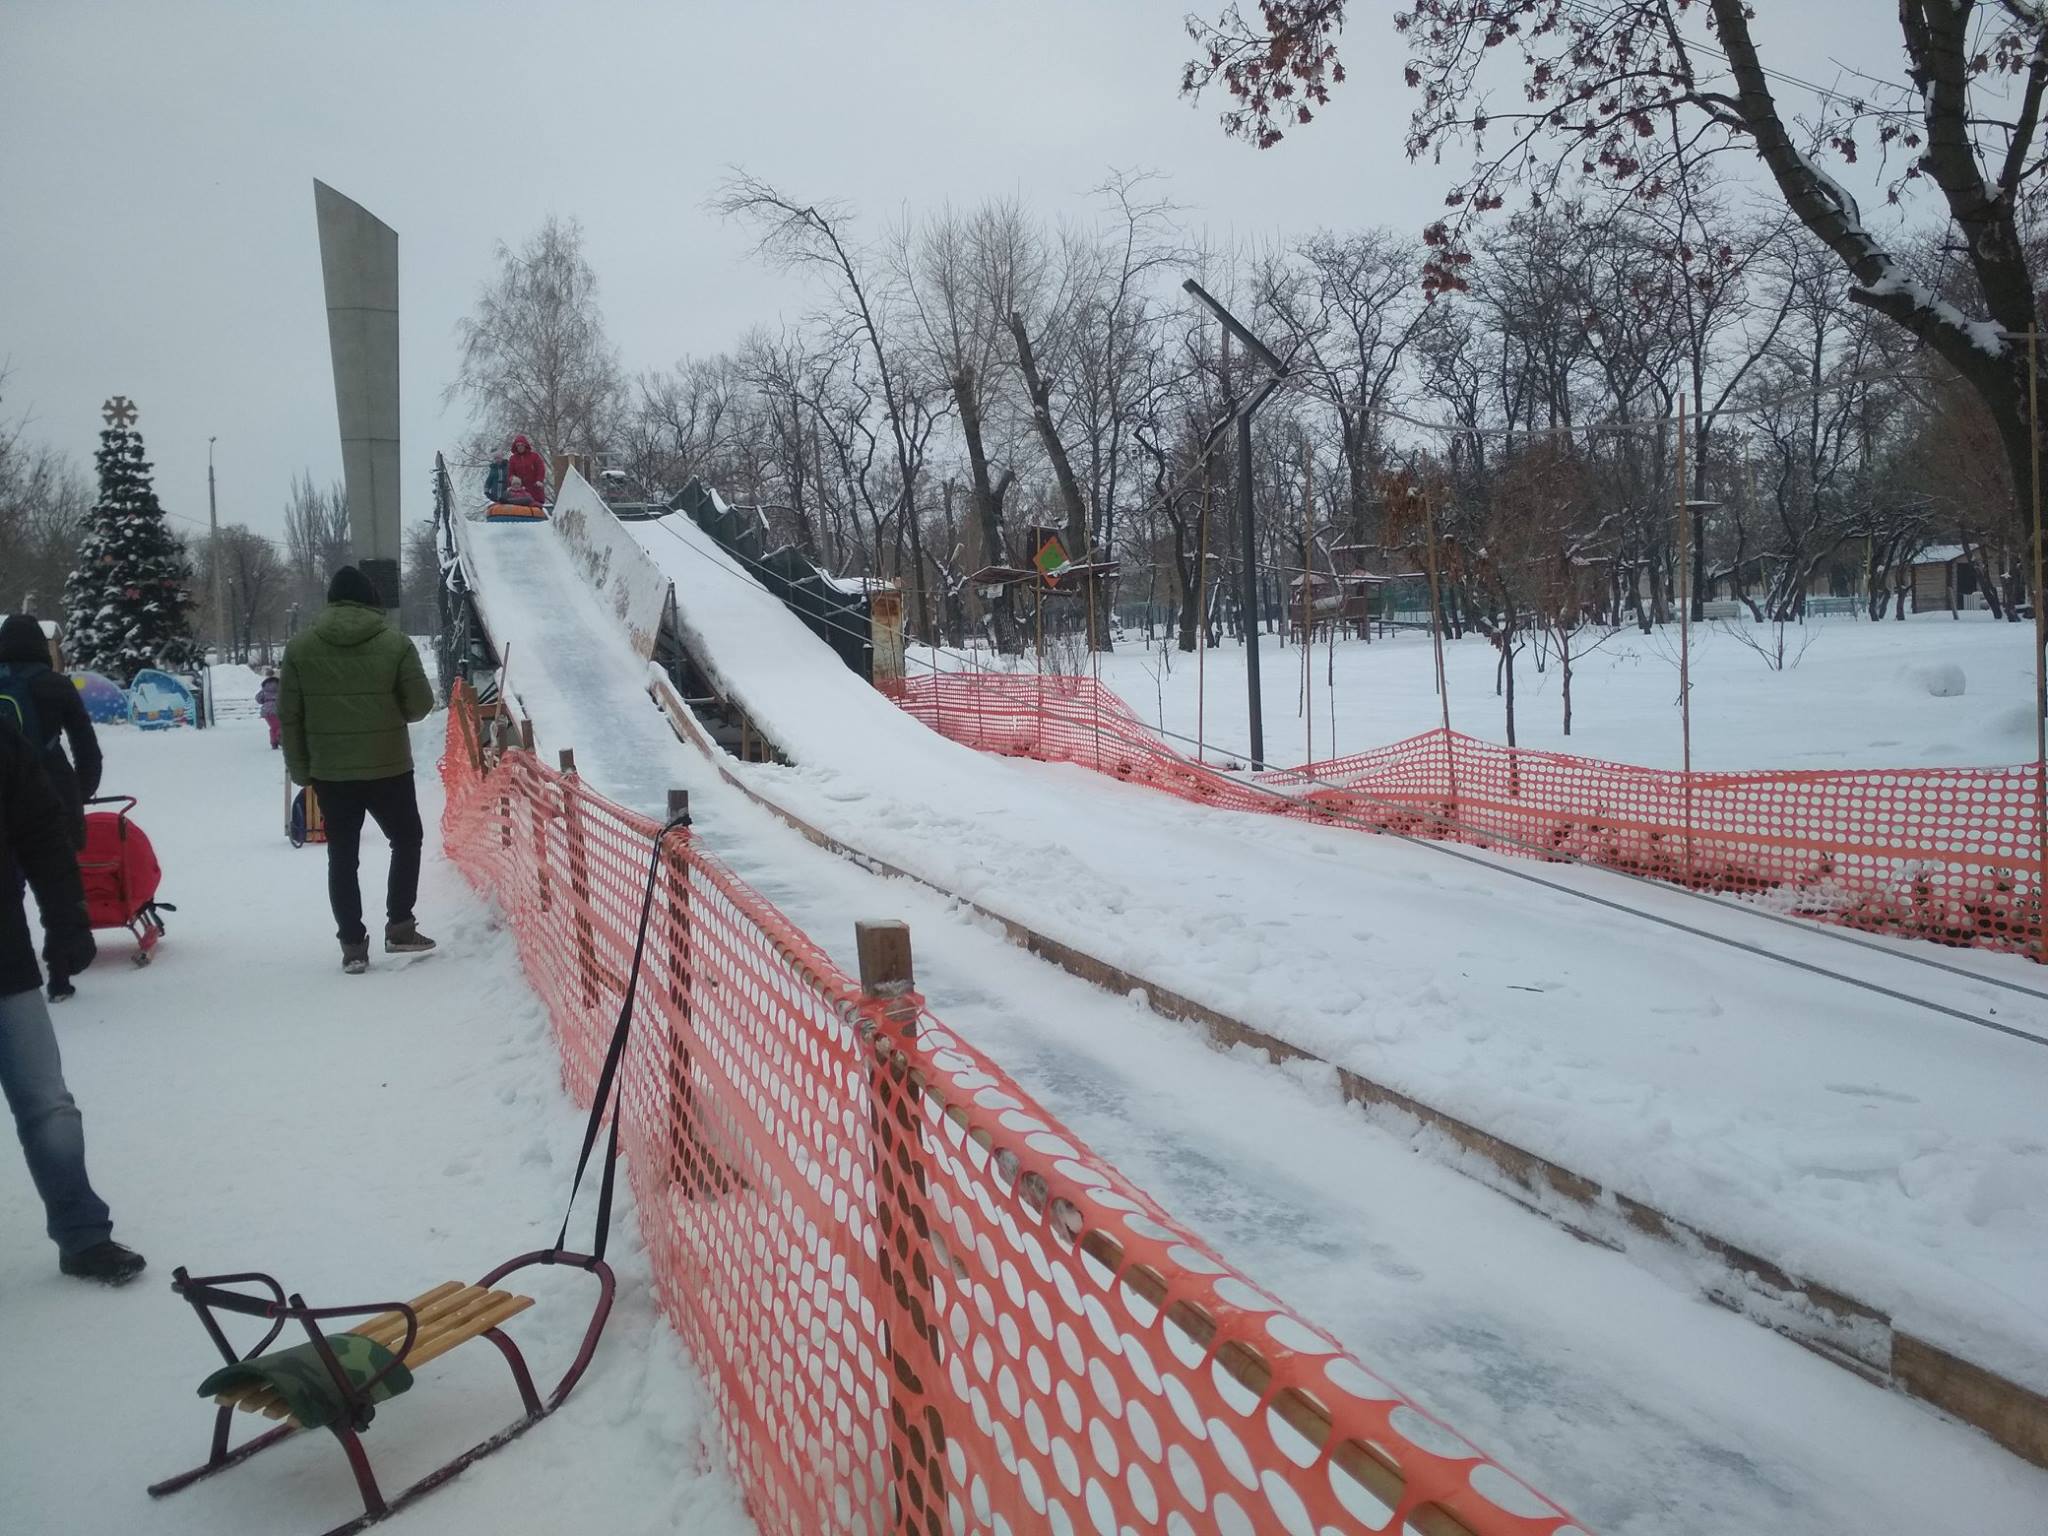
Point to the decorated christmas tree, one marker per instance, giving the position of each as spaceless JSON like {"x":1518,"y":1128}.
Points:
{"x":125,"y":606}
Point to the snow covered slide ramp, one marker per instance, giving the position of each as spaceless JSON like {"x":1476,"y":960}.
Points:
{"x":570,"y":660}
{"x":1858,"y":1144}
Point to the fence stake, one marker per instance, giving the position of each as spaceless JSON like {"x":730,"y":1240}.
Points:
{"x":1202,"y":618}
{"x":579,"y":881}
{"x":689,"y":1160}
{"x":917,"y":1439}
{"x":1685,"y":557}
{"x":1308,"y":591}
{"x":1436,"y":629}
{"x":2040,"y":635}
{"x":526,"y":735}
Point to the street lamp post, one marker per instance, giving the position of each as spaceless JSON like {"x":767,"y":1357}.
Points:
{"x":1248,"y":575}
{"x":220,"y":623}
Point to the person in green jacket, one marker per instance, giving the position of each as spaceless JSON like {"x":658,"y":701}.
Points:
{"x":349,"y":687}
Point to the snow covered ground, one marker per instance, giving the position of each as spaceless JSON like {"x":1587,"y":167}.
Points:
{"x":1614,"y":1389}
{"x":1857,"y":1140}
{"x":1862,"y":695}
{"x":249,"y":1107}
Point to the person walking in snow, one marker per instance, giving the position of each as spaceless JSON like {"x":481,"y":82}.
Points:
{"x":350,"y":686}
{"x":41,"y":703}
{"x":266,"y":705}
{"x":35,"y":846}
{"x":525,"y":467}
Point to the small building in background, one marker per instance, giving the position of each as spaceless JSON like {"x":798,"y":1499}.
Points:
{"x":1943,"y":579}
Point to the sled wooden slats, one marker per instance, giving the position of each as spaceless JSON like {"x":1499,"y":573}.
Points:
{"x":449,"y":1315}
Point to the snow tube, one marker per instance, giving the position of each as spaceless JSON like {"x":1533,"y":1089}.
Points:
{"x":515,"y":512}
{"x":158,"y":701}
{"x":105,"y":702}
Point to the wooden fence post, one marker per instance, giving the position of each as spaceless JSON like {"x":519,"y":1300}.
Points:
{"x":690,"y":1163}
{"x":917,"y":1437}
{"x":579,"y":880}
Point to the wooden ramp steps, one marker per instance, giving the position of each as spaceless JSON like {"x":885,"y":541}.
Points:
{"x":449,"y":1315}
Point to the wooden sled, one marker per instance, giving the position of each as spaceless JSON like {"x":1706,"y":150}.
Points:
{"x":411,"y":1333}
{"x":312,"y":1386}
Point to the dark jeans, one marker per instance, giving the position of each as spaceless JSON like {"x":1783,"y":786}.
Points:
{"x":392,"y":804}
{"x":47,"y":1120}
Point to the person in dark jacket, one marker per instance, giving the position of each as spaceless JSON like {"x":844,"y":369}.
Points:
{"x":526,"y":467}
{"x":350,"y":686}
{"x":61,"y":716}
{"x":33,"y":845}
{"x":25,"y":657}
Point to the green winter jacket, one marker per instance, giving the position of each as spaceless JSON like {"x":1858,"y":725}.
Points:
{"x":347,"y":690}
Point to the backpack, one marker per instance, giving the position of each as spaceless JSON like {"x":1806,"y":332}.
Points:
{"x":18,"y":705}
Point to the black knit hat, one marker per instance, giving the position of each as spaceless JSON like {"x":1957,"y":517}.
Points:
{"x":352,"y":586}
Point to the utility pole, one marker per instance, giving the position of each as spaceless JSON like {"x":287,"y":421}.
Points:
{"x":1248,"y":584}
{"x":220,"y":620}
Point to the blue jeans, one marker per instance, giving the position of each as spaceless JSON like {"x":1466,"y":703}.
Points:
{"x":47,"y":1120}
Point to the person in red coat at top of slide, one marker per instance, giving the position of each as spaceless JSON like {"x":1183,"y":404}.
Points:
{"x":525,"y":465}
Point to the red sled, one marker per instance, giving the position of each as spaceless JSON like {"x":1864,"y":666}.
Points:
{"x":121,"y":875}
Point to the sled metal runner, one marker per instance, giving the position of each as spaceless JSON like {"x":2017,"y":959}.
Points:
{"x":209,"y":1294}
{"x":395,"y":1336}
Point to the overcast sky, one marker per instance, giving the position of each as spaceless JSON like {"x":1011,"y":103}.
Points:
{"x":158,"y":158}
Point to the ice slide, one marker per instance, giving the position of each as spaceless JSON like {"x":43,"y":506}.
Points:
{"x":1858,"y":1142}
{"x":1611,"y":1387}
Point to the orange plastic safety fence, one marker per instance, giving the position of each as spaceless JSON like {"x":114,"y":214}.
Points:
{"x":921,"y":1304}
{"x":1948,"y":854}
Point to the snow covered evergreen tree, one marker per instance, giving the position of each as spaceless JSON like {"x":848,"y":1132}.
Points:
{"x":126,"y":605}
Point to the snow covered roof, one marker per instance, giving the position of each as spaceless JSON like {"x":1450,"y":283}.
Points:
{"x":1939,"y":554}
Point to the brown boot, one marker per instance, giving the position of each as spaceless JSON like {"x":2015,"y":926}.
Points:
{"x":405,"y":939}
{"x":355,"y":958}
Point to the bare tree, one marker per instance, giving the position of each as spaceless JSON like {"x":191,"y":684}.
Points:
{"x":535,"y":358}
{"x":1350,"y":307}
{"x":1619,"y":97}
{"x":44,"y":500}
{"x":961,"y":277}
{"x":254,"y":580}
{"x":815,"y":236}
{"x":316,"y":538}
{"x":419,"y":606}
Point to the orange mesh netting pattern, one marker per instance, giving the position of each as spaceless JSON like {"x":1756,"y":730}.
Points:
{"x":1948,"y":854}
{"x":919,"y":1303}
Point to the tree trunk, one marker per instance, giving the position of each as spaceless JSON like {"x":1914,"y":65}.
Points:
{"x":988,"y":509}
{"x":1564,"y":653}
{"x":1079,"y":545}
